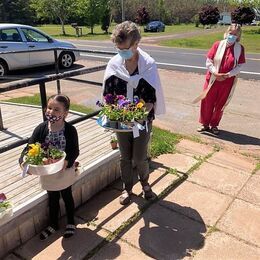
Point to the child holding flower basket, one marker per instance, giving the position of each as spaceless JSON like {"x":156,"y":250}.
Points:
{"x":133,"y":74}
{"x":61,"y":137}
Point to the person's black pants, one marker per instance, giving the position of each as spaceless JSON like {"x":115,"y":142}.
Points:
{"x":54,"y":206}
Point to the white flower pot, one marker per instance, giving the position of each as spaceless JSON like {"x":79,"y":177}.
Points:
{"x":47,"y":169}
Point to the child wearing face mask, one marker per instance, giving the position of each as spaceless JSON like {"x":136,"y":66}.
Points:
{"x":224,"y":62}
{"x":62,"y":135}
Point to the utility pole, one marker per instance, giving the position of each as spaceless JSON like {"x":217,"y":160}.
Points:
{"x":123,"y":10}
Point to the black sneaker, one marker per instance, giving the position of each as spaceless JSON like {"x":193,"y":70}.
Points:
{"x":125,"y":198}
{"x":47,"y":232}
{"x":148,"y":193}
{"x":203,"y":128}
{"x":215,"y":130}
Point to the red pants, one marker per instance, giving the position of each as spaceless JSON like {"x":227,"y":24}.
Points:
{"x":211,"y":106}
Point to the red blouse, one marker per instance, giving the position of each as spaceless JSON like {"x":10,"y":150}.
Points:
{"x":227,"y":62}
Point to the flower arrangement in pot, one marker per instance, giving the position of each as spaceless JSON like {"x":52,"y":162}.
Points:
{"x":118,"y":109}
{"x":43,"y":159}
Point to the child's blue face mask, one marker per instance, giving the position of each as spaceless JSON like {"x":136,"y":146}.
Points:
{"x":125,"y":54}
{"x":231,"y":38}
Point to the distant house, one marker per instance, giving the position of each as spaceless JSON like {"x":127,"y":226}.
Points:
{"x":225,"y":18}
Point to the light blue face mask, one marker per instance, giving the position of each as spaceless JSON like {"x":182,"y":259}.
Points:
{"x":126,"y":54}
{"x":231,"y":38}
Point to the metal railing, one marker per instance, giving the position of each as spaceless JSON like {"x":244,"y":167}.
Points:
{"x":48,"y":78}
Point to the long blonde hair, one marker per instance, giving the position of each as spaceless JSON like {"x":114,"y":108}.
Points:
{"x":232,"y":27}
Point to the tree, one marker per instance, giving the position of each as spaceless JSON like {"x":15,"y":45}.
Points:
{"x":90,"y":12}
{"x":182,"y":11}
{"x":16,"y":11}
{"x":246,"y":3}
{"x":142,"y":16}
{"x":209,"y":14}
{"x":243,"y":15}
{"x":54,"y":9}
{"x":105,"y":19}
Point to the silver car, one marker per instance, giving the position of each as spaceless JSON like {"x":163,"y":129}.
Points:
{"x":17,"y":37}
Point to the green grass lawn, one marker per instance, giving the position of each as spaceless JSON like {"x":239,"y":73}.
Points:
{"x":36,"y":100}
{"x":163,"y":142}
{"x":55,"y":31}
{"x":250,"y":37}
{"x":173,"y":29}
{"x":250,"y":40}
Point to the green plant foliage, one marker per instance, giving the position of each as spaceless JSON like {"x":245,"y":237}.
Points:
{"x":36,"y":100}
{"x":163,"y":141}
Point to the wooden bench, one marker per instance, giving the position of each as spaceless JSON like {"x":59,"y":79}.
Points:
{"x":99,"y":167}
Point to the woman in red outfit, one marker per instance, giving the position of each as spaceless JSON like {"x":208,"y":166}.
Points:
{"x":224,"y":62}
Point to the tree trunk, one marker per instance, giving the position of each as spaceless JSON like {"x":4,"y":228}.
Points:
{"x":62,"y":26}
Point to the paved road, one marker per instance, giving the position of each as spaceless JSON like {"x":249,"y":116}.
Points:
{"x":190,"y":60}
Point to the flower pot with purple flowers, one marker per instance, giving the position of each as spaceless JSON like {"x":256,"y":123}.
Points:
{"x":121,"y":112}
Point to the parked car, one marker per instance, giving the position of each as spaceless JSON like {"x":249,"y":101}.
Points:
{"x":155,"y":26}
{"x":17,"y":37}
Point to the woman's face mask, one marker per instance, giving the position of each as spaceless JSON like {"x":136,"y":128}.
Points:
{"x":231,"y":38}
{"x":126,"y":54}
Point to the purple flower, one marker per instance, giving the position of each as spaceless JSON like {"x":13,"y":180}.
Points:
{"x":120,"y":97}
{"x":45,"y":146}
{"x":109,"y":99}
{"x":136,"y":100}
{"x":123,"y":103}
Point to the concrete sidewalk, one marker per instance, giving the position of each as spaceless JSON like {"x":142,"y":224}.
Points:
{"x":208,"y":208}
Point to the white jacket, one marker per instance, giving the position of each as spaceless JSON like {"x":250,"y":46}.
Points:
{"x":147,"y":70}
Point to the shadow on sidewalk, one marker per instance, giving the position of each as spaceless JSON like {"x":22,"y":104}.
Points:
{"x":163,"y":230}
{"x":235,"y":138}
{"x":85,"y":242}
{"x":56,"y":247}
{"x":167,"y":234}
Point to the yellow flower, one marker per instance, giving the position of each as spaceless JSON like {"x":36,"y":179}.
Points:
{"x":140,"y":105}
{"x":34,"y":149}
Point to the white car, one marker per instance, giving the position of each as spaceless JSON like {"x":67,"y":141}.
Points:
{"x":17,"y":37}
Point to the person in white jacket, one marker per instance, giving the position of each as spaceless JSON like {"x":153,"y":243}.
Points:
{"x":133,"y":73}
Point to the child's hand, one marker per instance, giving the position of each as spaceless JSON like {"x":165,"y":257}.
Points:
{"x":22,"y":167}
{"x":65,"y":165}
